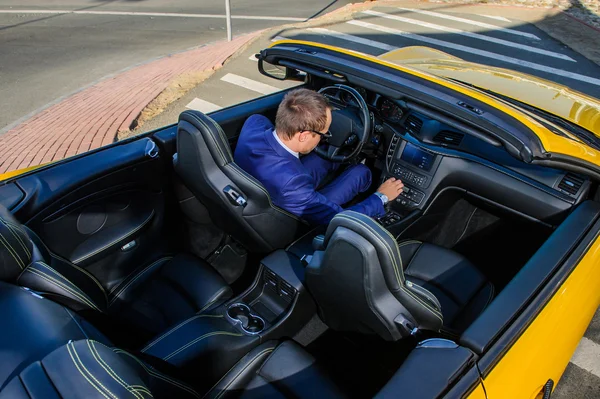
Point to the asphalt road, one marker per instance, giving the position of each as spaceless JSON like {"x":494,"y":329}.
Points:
{"x":45,"y":55}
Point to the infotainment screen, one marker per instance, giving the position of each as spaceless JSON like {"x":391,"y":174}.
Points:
{"x":417,"y":157}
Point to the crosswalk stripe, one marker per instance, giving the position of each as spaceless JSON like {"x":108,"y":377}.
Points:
{"x":202,"y":105}
{"x":471,"y":22}
{"x":470,"y":34}
{"x":355,"y":39}
{"x":495,"y":17}
{"x":586,"y":356}
{"x":482,"y":53}
{"x":249,"y":84}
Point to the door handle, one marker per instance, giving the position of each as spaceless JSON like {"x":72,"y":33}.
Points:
{"x":546,"y":390}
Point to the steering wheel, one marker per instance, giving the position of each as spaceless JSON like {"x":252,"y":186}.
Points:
{"x":346,"y":123}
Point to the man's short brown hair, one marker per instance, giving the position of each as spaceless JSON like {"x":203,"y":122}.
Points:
{"x":301,"y":109}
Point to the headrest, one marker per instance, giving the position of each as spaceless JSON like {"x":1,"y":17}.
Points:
{"x":211,"y":133}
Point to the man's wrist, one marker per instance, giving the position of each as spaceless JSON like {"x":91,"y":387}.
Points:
{"x":384,"y":199}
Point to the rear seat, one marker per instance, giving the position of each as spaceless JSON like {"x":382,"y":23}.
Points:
{"x":47,"y":351}
{"x":152,"y":298}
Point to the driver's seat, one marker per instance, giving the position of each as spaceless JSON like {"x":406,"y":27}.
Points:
{"x":237,"y":202}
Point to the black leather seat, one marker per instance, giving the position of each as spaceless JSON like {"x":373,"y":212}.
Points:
{"x":205,"y":164}
{"x":89,"y":369}
{"x":153,"y":297}
{"x":364,"y":281}
{"x":47,"y":351}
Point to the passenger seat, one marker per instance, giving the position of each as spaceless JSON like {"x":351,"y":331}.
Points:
{"x":47,"y":351}
{"x":152,"y":298}
{"x":89,"y":369}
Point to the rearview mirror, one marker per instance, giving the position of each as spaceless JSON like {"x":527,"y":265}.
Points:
{"x":273,"y":71}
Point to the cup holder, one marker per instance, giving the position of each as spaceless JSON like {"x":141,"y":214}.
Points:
{"x":241,"y":314}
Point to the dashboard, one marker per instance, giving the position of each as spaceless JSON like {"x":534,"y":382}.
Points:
{"x":431,"y":157}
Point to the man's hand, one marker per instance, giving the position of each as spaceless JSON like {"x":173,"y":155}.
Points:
{"x":391,"y":188}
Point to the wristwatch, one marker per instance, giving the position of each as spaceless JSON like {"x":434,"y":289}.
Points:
{"x":382,"y":197}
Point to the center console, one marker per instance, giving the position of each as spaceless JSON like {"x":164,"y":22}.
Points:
{"x":415,"y":167}
{"x":276,"y":305}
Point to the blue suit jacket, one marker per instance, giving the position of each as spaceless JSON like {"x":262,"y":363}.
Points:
{"x":289,"y":183}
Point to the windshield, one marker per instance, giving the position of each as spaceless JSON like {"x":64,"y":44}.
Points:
{"x":556,"y":124}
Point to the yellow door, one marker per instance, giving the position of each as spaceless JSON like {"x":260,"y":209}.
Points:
{"x":544,"y":349}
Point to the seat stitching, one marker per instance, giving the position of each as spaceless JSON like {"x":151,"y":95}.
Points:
{"x":52,"y":280}
{"x":404,"y":243}
{"x":111,"y":372}
{"x":491,"y":294}
{"x":215,"y":298}
{"x":157,"y":374}
{"x":278,"y":347}
{"x":221,"y":133}
{"x":401,"y":284}
{"x":81,"y":372}
{"x":16,"y":226}
{"x":17,"y":238}
{"x":88,"y":372}
{"x":238,"y":374}
{"x":128,"y":285}
{"x":12,"y":251}
{"x":173,"y":329}
{"x":430,"y":296}
{"x":69,"y":263}
{"x":129,"y":234}
{"x":133,"y":273}
{"x":195,"y":341}
{"x":213,"y":139}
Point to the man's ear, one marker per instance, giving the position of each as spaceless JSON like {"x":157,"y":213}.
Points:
{"x":302,"y":136}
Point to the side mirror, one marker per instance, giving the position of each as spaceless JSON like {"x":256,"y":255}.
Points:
{"x":274,"y":71}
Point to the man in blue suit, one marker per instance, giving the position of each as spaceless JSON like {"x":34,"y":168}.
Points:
{"x":280,"y":158}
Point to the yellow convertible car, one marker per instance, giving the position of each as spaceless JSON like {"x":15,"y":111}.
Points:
{"x":157,"y":267}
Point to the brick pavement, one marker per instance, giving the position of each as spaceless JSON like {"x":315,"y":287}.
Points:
{"x":92,"y":117}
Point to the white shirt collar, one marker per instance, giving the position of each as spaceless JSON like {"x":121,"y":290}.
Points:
{"x":294,"y":153}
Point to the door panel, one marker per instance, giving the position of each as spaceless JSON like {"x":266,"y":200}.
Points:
{"x":546,"y":345}
{"x":87,"y":233}
{"x":104,"y":211}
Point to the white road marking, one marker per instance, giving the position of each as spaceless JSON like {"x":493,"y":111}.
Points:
{"x":471,"y":22}
{"x":202,"y":106}
{"x":153,"y":14}
{"x":253,"y":58}
{"x":495,"y":17}
{"x":352,"y":38}
{"x":470,"y":34}
{"x":586,"y":356}
{"x":249,"y":84}
{"x":482,"y":53}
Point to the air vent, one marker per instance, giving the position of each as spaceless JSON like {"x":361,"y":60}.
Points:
{"x":278,"y":286}
{"x":571,"y":184}
{"x":413,"y":124}
{"x":448,"y":137}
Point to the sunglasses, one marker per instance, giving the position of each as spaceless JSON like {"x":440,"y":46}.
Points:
{"x":326,"y":135}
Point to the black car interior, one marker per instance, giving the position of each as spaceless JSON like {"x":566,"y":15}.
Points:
{"x":156,"y":267}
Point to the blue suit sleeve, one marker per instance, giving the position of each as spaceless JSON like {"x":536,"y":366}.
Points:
{"x":300,"y":198}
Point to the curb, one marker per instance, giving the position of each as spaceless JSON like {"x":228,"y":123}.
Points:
{"x":92,"y":117}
